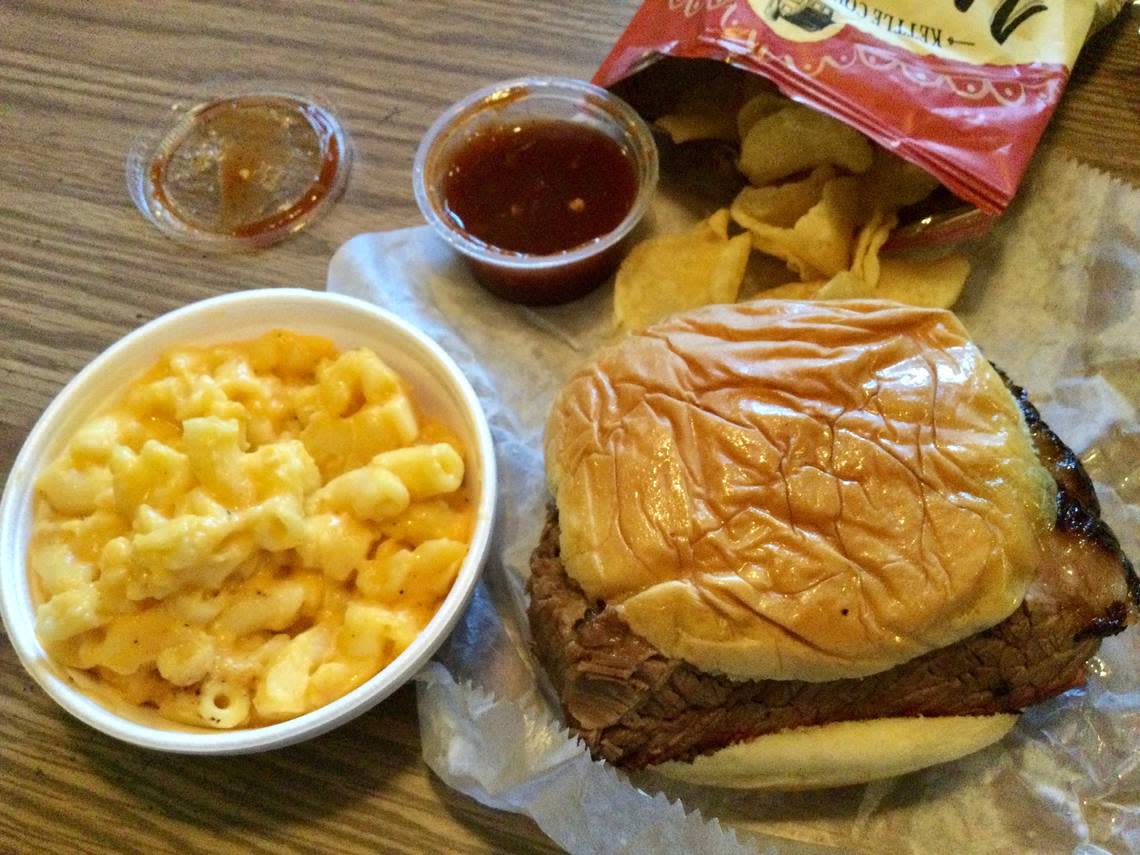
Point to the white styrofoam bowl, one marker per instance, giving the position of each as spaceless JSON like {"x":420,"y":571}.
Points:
{"x":439,"y":387}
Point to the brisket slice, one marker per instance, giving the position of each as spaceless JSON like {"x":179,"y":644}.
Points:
{"x":636,"y":707}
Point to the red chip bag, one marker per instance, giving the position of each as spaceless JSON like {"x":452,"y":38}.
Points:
{"x":962,"y":88}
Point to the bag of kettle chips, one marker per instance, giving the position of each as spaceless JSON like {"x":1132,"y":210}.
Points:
{"x":833,"y":222}
{"x":962,"y":90}
{"x":956,"y":95}
{"x":830,"y":221}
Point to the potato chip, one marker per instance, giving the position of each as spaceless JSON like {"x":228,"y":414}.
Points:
{"x":756,"y":108}
{"x":934,"y":283}
{"x":685,"y":127}
{"x":844,"y":285}
{"x":792,"y":291}
{"x":828,"y":228}
{"x":818,"y":245}
{"x":797,"y":138}
{"x":892,"y":183}
{"x":707,"y":108}
{"x":865,"y":258}
{"x":668,"y":273}
{"x":780,"y":205}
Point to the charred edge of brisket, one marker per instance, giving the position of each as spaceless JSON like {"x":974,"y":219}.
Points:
{"x":1113,"y":621}
{"x":1078,"y":509}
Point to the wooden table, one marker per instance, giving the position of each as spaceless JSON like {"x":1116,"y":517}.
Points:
{"x":79,"y":267}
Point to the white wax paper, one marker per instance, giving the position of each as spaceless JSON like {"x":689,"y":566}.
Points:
{"x":1054,"y":299}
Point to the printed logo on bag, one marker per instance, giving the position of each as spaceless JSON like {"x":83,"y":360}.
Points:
{"x":992,"y":32}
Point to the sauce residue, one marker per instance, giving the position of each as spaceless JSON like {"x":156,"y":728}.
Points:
{"x":248,"y":167}
{"x":539,"y":187}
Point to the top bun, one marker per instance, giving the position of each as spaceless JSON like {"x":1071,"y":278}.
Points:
{"x":798,"y":491}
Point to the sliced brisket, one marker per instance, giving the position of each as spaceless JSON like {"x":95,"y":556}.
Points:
{"x":636,"y":707}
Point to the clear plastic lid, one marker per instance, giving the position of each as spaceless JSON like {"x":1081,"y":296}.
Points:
{"x":240,"y":171}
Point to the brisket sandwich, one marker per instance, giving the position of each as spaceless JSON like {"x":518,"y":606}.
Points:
{"x":811,"y":544}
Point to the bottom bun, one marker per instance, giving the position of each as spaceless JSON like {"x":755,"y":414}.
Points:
{"x":836,"y":755}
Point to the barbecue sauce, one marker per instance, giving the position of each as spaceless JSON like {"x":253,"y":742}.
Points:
{"x":540,"y":188}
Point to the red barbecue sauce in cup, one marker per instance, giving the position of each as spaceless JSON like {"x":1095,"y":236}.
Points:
{"x":537,"y":183}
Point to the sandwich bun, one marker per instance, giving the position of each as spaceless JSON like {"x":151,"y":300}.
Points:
{"x":798,"y":490}
{"x":841,"y":754}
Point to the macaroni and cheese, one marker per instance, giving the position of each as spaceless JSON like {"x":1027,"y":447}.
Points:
{"x":254,"y":530}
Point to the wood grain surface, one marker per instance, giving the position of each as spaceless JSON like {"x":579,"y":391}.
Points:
{"x":79,"y":268}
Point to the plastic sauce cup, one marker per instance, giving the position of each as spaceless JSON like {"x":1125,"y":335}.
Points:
{"x":553,"y":275}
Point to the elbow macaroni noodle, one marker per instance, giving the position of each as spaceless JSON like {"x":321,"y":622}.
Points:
{"x":254,"y":530}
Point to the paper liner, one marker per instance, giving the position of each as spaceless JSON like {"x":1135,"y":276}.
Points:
{"x":540,"y":770}
{"x":1055,"y":301}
